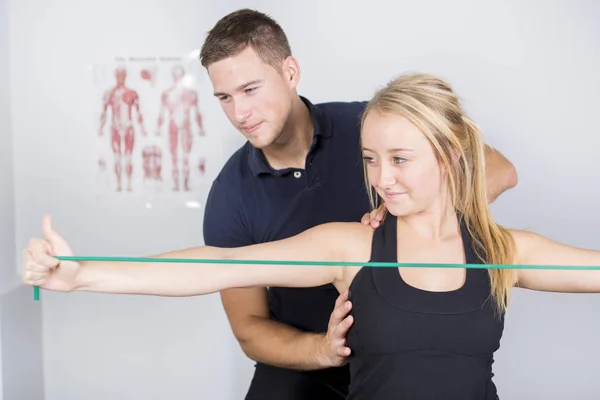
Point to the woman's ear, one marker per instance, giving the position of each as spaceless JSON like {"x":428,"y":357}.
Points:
{"x":455,"y":155}
{"x":455,"y":159}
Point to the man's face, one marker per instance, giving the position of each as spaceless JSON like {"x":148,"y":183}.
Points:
{"x":256,"y":98}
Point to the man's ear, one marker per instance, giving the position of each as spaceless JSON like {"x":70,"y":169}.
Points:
{"x":291,"y":71}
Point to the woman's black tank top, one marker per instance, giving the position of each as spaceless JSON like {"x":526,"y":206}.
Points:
{"x":414,"y":344}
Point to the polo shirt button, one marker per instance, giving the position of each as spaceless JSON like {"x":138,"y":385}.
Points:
{"x":297,"y":174}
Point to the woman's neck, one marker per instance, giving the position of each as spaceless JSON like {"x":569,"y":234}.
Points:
{"x":436,"y":223}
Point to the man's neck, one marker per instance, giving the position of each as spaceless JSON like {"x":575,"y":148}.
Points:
{"x":292,"y":147}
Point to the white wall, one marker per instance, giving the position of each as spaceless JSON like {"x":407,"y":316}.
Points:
{"x":7,"y":219}
{"x":527,"y":71}
{"x":1,"y":370}
{"x":98,"y":347}
{"x":6,"y":173}
{"x":22,"y":354}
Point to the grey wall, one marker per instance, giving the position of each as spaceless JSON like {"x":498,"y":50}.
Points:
{"x":21,"y":366}
{"x":8,"y":277}
{"x":527,"y":72}
{"x":7,"y":228}
{"x":22,"y":355}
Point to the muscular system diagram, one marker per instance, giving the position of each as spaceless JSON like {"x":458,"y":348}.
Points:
{"x":121,"y":101}
{"x":129,"y":160}
{"x":180,"y":103}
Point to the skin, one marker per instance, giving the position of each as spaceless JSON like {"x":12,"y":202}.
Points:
{"x":415,"y":188}
{"x":413,"y":185}
{"x":263,"y":104}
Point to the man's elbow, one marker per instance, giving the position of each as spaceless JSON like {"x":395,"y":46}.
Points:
{"x":505,"y":177}
{"x":244,"y":340}
{"x":246,"y":335}
{"x":512,"y":177}
{"x":250,"y":347}
{"x":245,"y":346}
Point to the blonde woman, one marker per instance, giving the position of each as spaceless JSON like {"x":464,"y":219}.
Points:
{"x":418,"y":332}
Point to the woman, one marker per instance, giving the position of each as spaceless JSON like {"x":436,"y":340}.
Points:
{"x":419,"y":333}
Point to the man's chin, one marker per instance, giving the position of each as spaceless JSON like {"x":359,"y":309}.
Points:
{"x":258,"y":143}
{"x":261,"y":140}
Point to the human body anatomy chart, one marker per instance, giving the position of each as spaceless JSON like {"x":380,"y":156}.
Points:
{"x":180,"y":105}
{"x":150,"y":128}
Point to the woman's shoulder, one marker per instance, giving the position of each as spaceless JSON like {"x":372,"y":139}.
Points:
{"x":351,"y":239}
{"x":349,"y":230}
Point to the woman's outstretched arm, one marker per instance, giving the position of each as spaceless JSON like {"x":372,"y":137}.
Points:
{"x":328,"y":242}
{"x":534,"y":249}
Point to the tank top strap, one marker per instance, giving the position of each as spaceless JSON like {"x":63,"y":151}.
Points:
{"x":383,"y":247}
{"x":468,"y":245}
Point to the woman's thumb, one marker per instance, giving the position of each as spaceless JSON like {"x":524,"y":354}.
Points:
{"x":56,"y":241}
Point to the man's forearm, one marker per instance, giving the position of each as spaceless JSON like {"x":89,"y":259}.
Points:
{"x":274,"y":343}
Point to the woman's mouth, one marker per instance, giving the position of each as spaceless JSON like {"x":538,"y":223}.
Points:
{"x":393,"y":195}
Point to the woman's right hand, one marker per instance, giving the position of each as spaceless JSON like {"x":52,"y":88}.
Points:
{"x":41,"y":267}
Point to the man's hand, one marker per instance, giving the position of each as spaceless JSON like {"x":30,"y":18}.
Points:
{"x":334,"y":348}
{"x":374,"y":217}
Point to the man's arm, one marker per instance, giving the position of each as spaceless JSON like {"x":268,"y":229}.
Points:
{"x":261,"y":338}
{"x":272,"y":342}
{"x":500,"y":173}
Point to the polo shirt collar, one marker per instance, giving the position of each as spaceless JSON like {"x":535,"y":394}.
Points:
{"x":258,"y":162}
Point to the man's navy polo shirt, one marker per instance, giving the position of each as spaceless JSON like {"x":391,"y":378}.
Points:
{"x":251,"y":203}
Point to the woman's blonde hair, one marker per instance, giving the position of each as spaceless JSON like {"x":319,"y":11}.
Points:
{"x":431,"y":105}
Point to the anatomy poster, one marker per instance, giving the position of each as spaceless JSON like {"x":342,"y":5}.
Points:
{"x":150,"y":131}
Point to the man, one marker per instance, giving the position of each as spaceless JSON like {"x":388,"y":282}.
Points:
{"x":300,"y":167}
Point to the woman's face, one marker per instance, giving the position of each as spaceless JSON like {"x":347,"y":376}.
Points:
{"x":401,"y":164}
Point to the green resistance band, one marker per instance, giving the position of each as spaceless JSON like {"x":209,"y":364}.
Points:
{"x":36,"y":293}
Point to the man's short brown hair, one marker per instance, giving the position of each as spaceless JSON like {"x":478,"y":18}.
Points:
{"x":243,"y":28}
